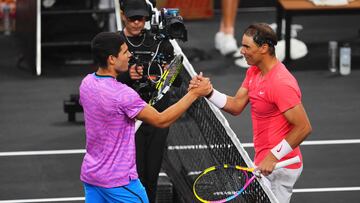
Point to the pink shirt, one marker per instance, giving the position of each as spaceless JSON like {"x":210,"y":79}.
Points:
{"x":270,"y":96}
{"x":109,"y":111}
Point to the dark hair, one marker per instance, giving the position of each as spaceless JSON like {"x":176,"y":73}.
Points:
{"x":105,"y":44}
{"x":262,"y":33}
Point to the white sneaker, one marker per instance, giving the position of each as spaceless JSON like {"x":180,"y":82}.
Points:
{"x":225,"y":43}
{"x":218,"y":39}
{"x":48,"y":3}
{"x":240,"y":60}
{"x":295,"y":28}
{"x":298,"y":49}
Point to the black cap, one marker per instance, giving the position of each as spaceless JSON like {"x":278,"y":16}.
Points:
{"x":135,"y":8}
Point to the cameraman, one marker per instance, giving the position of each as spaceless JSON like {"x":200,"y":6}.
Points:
{"x":150,"y":56}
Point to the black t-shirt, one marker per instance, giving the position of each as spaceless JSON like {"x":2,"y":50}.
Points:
{"x":144,"y":48}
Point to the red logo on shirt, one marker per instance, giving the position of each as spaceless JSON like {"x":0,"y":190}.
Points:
{"x":278,"y":150}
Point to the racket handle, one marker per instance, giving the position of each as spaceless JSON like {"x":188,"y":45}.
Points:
{"x":287,"y":162}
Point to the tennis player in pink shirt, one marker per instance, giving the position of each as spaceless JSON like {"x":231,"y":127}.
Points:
{"x":110,"y":108}
{"x":279,"y":120}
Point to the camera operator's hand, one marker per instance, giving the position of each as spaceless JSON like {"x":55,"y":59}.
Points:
{"x":136,"y":72}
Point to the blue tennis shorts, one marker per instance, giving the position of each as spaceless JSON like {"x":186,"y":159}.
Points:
{"x":133,"y":192}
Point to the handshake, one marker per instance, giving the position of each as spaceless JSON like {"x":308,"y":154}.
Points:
{"x":200,"y":86}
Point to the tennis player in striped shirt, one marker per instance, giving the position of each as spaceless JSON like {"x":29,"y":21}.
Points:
{"x":108,"y":170}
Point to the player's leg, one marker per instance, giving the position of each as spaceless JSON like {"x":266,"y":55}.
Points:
{"x":92,"y":195}
{"x":282,"y":182}
{"x":229,"y":9}
{"x":154,"y":160}
{"x":141,"y":140}
{"x":225,"y":41}
{"x":134,"y":192}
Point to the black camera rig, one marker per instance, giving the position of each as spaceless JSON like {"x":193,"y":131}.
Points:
{"x":167,"y":23}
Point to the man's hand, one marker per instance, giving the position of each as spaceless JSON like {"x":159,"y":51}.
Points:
{"x":195,"y":81}
{"x":267,"y":165}
{"x":200,"y":85}
{"x":136,"y":72}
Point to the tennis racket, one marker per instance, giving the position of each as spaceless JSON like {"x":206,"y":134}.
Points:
{"x":166,"y":80}
{"x":223,"y":183}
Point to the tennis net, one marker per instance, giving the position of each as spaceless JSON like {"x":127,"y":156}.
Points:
{"x":202,"y":138}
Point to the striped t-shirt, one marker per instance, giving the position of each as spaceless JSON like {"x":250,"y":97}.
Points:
{"x":109,"y":111}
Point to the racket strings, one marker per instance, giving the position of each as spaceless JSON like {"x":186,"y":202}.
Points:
{"x":166,"y":79}
{"x":221,"y":183}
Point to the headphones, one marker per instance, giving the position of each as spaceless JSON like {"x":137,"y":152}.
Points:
{"x":148,"y":7}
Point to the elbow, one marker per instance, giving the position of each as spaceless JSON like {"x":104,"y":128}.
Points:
{"x":235,"y":113}
{"x":161,"y":123}
{"x":307,"y":130}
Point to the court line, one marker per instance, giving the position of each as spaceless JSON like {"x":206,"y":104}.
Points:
{"x":44,"y":152}
{"x":176,"y":147}
{"x":67,"y":199}
{"x":330,"y":189}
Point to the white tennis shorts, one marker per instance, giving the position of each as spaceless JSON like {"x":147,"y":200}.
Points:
{"x":281,"y":181}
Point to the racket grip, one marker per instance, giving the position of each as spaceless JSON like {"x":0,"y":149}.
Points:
{"x":287,"y":162}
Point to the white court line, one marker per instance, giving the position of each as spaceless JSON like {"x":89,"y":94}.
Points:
{"x":329,"y":189}
{"x":301,"y":190}
{"x":66,"y":199}
{"x":179,"y":147}
{"x":319,"y":142}
{"x":45,"y":152}
{"x":328,"y":142}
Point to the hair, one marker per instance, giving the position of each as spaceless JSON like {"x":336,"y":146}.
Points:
{"x":104,"y":45}
{"x":262,"y":33}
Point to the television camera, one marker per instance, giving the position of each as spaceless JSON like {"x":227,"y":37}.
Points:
{"x":165,"y":24}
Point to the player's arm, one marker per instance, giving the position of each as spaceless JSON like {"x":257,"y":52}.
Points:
{"x":233,"y":105}
{"x":298,"y":118}
{"x":301,"y":125}
{"x":150,"y":115}
{"x":236,"y":104}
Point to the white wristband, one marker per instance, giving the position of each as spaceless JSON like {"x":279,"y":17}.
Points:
{"x":218,"y":99}
{"x":281,"y":150}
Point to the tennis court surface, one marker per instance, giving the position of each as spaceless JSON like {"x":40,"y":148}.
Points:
{"x":41,"y":152}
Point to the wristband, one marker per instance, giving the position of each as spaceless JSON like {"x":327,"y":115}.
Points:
{"x":281,"y":150}
{"x":218,"y":99}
